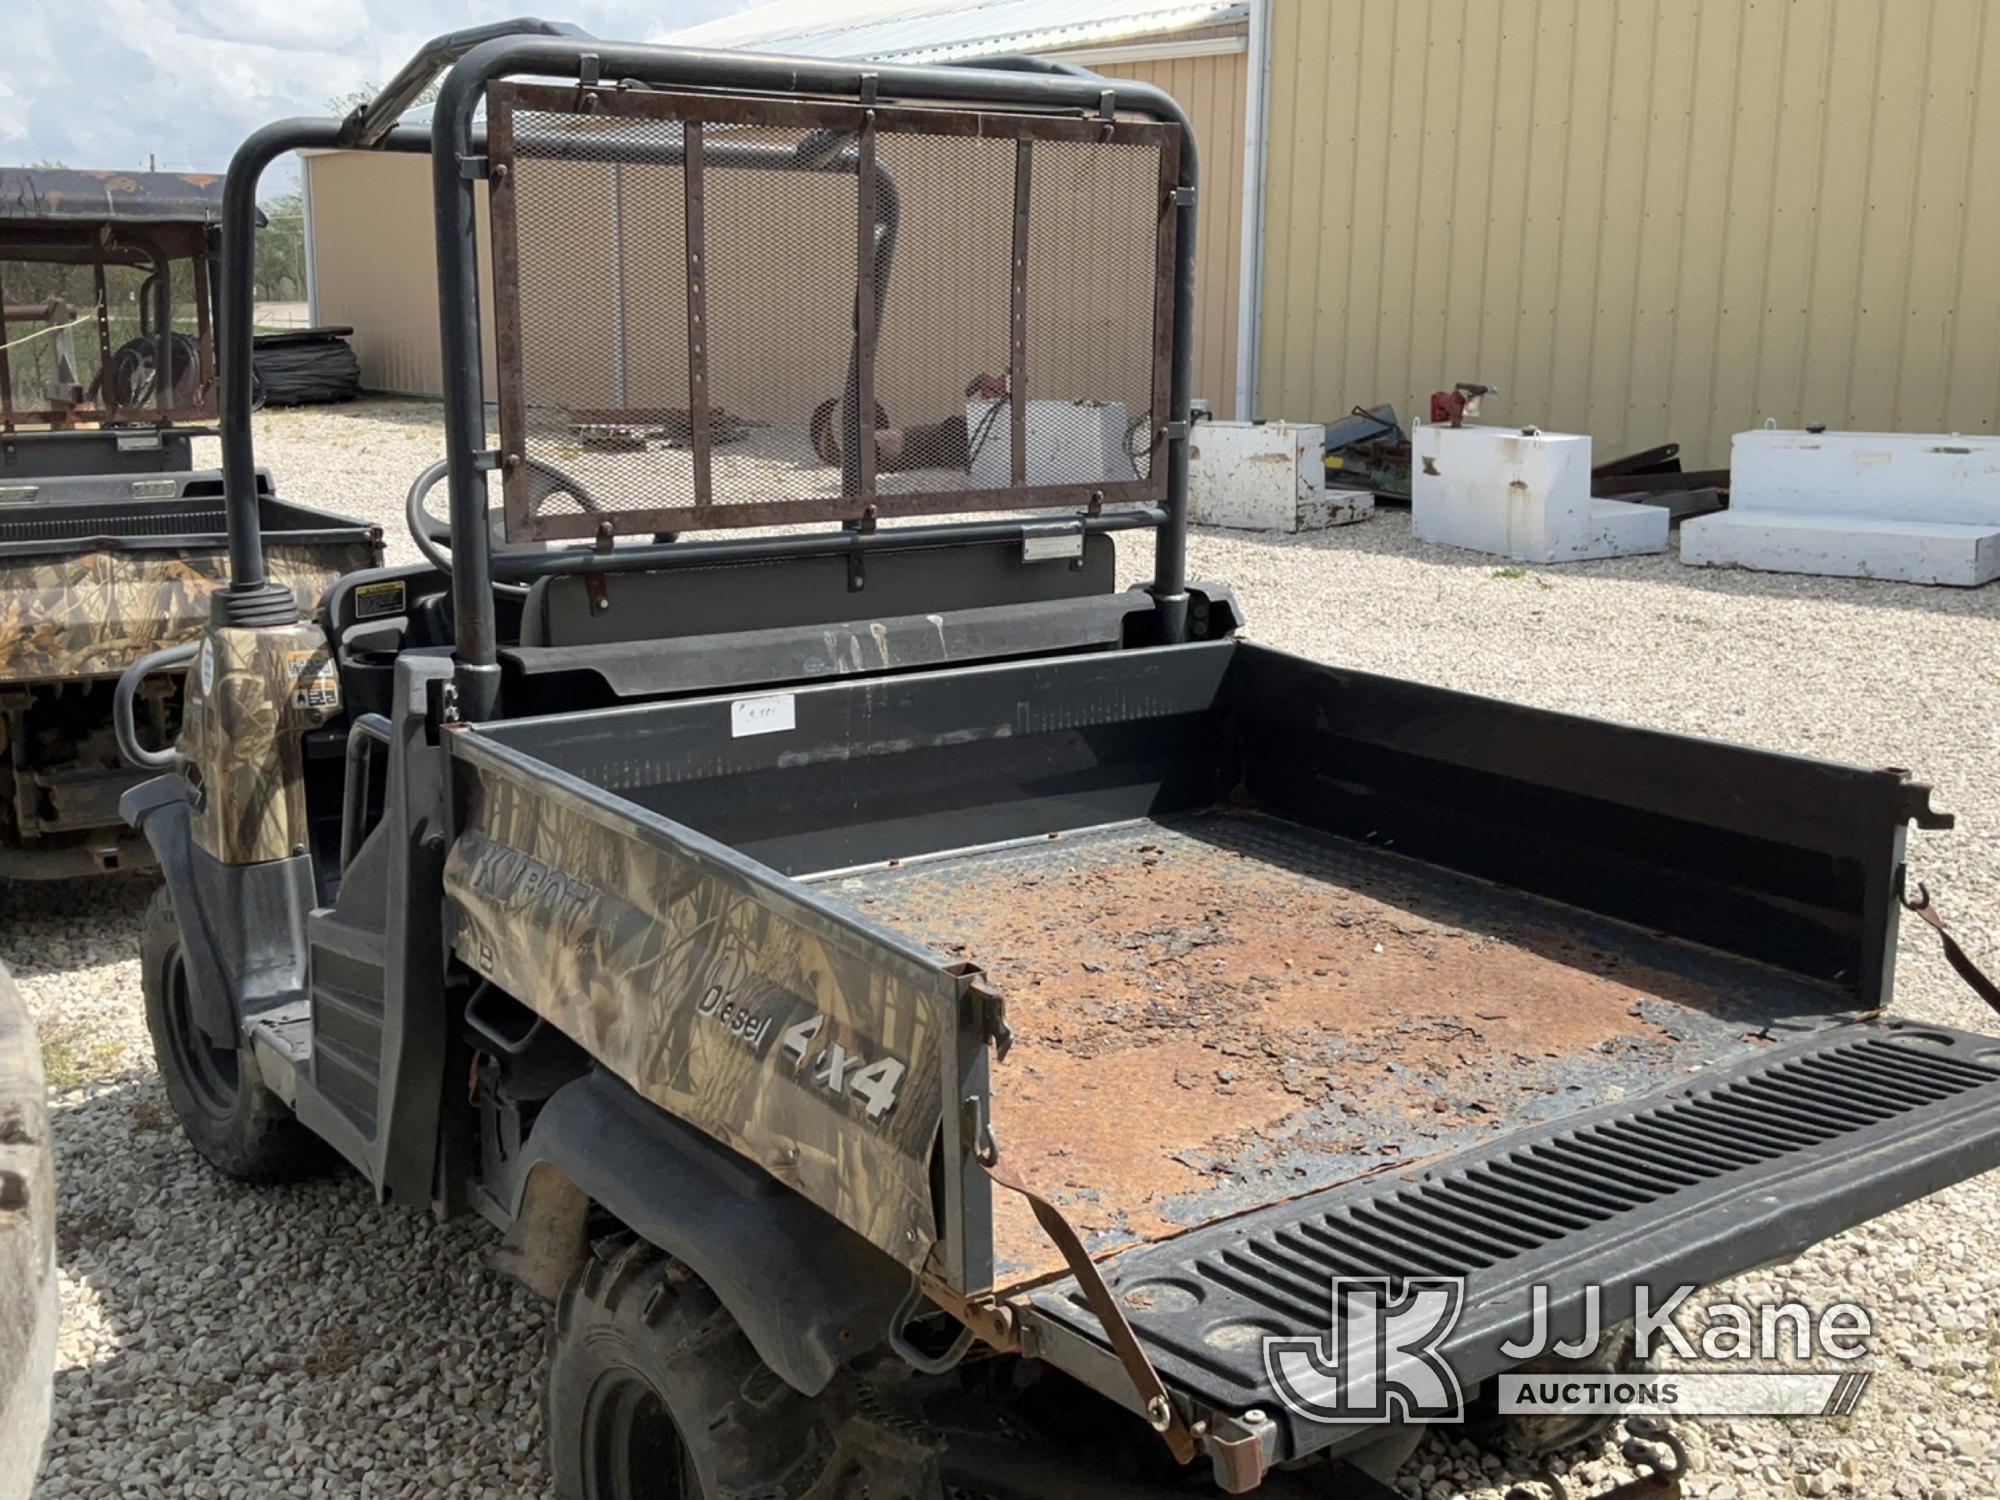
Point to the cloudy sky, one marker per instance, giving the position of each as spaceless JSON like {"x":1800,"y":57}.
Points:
{"x":100,"y":83}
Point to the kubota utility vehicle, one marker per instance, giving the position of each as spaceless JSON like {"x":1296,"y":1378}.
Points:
{"x":929,"y":1018}
{"x":111,"y":541}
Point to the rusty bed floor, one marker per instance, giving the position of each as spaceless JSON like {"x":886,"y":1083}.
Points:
{"x":1221,"y":1011}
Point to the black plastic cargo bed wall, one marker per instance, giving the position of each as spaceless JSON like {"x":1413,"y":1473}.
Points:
{"x":1772,"y":857}
{"x":881,"y":768}
{"x":1789,"y":861}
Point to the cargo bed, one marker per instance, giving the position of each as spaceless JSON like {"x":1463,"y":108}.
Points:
{"x":1737,"y":1167}
{"x":1221,"y":1010}
{"x":165,"y":512}
{"x":89,"y":585}
{"x":97,"y":572}
{"x":1307,"y":973}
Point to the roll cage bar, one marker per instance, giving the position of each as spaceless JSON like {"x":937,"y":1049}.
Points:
{"x":530,"y":47}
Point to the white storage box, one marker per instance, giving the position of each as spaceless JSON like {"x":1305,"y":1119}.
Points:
{"x":1521,"y":496}
{"x":1069,"y":442}
{"x":1910,"y":476}
{"x":1844,"y":546}
{"x":1266,"y":476}
{"x":1910,"y":506}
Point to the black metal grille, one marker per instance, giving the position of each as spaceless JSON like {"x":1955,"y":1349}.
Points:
{"x":1090,"y":341}
{"x":67,"y":523}
{"x":1687,"y":1187}
{"x":1525,"y":1199}
{"x":703,"y":303}
{"x":781,"y":296}
{"x":944,"y":334}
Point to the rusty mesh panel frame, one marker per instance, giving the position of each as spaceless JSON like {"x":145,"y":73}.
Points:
{"x":863,"y":498}
{"x":105,"y":272}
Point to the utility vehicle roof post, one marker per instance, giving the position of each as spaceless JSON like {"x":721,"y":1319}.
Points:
{"x":457,"y":168}
{"x":251,"y":598}
{"x":371,"y":121}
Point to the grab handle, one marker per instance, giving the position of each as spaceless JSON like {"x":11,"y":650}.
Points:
{"x":122,"y":722}
{"x":367,"y":731}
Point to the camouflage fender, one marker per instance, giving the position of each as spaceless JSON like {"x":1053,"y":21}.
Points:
{"x":719,"y":996}
{"x":95,"y":613}
{"x":251,"y":696}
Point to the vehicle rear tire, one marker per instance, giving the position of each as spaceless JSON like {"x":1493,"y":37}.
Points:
{"x":1525,"y":1437}
{"x":655,"y":1393}
{"x":233,"y":1121}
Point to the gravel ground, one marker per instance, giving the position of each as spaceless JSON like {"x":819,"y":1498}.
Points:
{"x":220,"y":1341}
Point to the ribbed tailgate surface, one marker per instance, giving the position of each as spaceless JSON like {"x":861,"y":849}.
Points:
{"x":1687,"y":1186}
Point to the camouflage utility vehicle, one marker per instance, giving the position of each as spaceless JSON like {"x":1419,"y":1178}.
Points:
{"x":111,"y":542}
{"x":927,"y":1017}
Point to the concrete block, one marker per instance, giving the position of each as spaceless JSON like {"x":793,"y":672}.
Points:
{"x":1911,"y":476}
{"x":1844,"y":546}
{"x":1267,"y":476}
{"x":1524,"y":496}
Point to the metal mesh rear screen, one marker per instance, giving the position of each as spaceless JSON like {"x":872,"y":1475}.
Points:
{"x":87,"y":329}
{"x":693,"y":325}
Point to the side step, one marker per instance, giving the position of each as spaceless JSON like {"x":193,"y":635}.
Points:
{"x":1733,"y":1170}
{"x":282,"y":1038}
{"x":347,"y":1015}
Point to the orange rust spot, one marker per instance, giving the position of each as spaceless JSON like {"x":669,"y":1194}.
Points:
{"x":1178,"y":1005}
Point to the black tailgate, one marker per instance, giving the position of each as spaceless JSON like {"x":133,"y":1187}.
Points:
{"x":1750,"y":1164}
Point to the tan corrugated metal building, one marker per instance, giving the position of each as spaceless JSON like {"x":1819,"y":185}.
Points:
{"x":374,"y":264}
{"x":1648,"y":220}
{"x":370,"y":215}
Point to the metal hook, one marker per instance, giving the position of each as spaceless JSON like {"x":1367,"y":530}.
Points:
{"x":909,"y":1353}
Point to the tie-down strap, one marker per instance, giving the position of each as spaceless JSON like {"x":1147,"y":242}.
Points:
{"x":1960,"y":961}
{"x":1159,"y":1407}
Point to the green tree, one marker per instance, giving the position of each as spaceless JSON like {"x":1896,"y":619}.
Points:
{"x":279,"y":274}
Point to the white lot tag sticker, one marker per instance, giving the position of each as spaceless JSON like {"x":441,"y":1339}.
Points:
{"x":207,"y":668}
{"x":768,"y":715}
{"x":314,"y":682}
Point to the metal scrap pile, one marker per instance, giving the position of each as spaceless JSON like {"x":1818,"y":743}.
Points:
{"x":623,"y":429}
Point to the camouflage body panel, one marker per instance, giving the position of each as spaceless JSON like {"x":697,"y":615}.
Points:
{"x":251,"y":696}
{"x":729,"y":1000}
{"x":95,"y":613}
